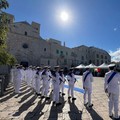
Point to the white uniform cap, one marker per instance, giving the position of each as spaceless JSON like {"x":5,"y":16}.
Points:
{"x":111,"y":65}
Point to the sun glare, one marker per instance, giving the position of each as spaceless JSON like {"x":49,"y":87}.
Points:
{"x":64,"y":16}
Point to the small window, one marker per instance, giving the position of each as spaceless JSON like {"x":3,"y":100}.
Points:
{"x":25,"y":33}
{"x":66,"y":53}
{"x":57,"y":51}
{"x":25,"y":46}
{"x":102,"y":56}
{"x":48,"y":62}
{"x":65,"y":62}
{"x":61,"y":52}
{"x":44,"y":49}
{"x":82,"y":57}
{"x":97,"y":56}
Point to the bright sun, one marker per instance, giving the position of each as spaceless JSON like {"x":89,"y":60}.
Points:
{"x":64,"y":16}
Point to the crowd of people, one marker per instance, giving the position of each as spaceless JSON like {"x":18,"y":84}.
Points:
{"x":42,"y":79}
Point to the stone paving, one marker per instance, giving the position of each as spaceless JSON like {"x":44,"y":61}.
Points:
{"x":27,"y":106}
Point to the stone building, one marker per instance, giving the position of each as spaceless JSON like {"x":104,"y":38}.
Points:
{"x":29,"y":48}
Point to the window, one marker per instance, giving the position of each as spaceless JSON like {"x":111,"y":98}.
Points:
{"x":61,"y":52}
{"x":97,"y":56}
{"x":97,"y":62}
{"x":25,"y":33}
{"x":102,"y":56}
{"x":105,"y":57}
{"x":8,"y":21}
{"x":57,"y":51}
{"x":44,"y":49}
{"x":25,"y":45}
{"x":65,"y":62}
{"x":48,"y":62}
{"x":66,"y":53}
{"x":101,"y":61}
{"x":82,"y":57}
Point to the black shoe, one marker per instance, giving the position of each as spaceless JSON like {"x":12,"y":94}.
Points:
{"x":47,"y":98}
{"x":38,"y":94}
{"x":73,"y":98}
{"x":69,"y":97}
{"x":54,"y":102}
{"x":111,"y":116}
{"x":43,"y":97}
{"x":90,"y":105}
{"x":63,"y":94}
{"x":85,"y":104}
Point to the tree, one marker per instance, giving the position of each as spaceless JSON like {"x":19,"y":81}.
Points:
{"x":5,"y":57}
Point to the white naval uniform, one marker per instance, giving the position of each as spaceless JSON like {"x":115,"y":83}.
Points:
{"x":37,"y":81}
{"x":33,"y":78}
{"x":56,"y":87}
{"x":17,"y":80}
{"x":22,"y":74}
{"x":62,"y":83}
{"x":12,"y":74}
{"x":50,"y":79}
{"x":87,"y":85}
{"x":29,"y":76}
{"x":71,"y":81}
{"x":45,"y":79}
{"x":113,"y":91}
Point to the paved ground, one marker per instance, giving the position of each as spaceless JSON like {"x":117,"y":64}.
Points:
{"x":27,"y":106}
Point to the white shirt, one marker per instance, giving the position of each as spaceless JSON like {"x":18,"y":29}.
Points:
{"x":88,"y":81}
{"x":113,"y":85}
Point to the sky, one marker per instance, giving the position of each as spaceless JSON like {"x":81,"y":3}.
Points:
{"x":90,"y":22}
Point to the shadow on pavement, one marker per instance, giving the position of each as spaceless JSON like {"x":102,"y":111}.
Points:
{"x":93,"y":114}
{"x":55,"y":110}
{"x":74,"y":113}
{"x":36,"y":113}
{"x":26,"y":96}
{"x":25,"y":106}
{"x":10,"y":93}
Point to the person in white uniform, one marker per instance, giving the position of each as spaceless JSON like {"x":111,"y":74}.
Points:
{"x":37,"y":80}
{"x":45,"y":78}
{"x":50,"y":78}
{"x":12,"y":74}
{"x":56,"y":86}
{"x":17,"y":79}
{"x":71,"y":82}
{"x":111,"y":87}
{"x":63,"y":82}
{"x":29,"y":76}
{"x":87,"y":80}
{"x":34,"y":69}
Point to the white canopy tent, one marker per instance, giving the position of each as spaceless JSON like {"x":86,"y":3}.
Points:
{"x":91,"y":66}
{"x":80,"y":66}
{"x":103,"y":66}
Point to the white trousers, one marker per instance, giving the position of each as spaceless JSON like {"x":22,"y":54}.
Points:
{"x":45,"y":88}
{"x":17,"y":84}
{"x":70,"y":90}
{"x":56,"y":91}
{"x":37,"y":85}
{"x":113,"y":102}
{"x":62,"y":87}
{"x":87,"y":92}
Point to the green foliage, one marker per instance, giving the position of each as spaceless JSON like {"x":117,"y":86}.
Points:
{"x":3,"y":4}
{"x":3,"y":28}
{"x":5,"y":57}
